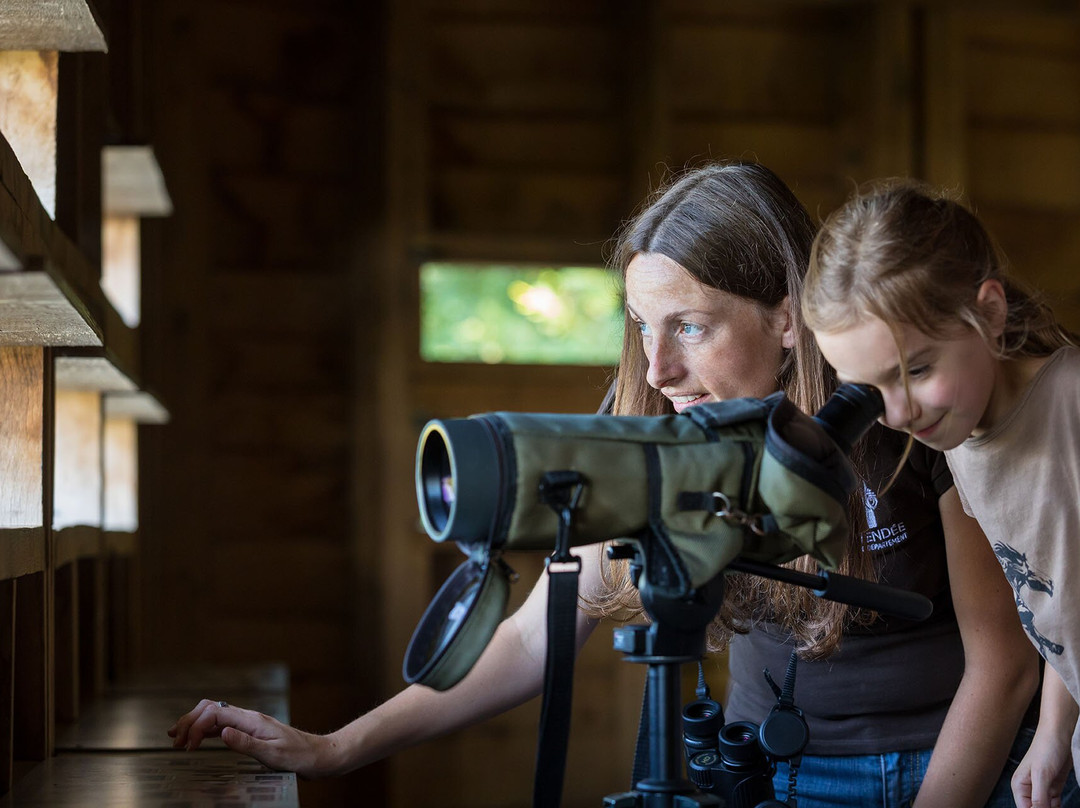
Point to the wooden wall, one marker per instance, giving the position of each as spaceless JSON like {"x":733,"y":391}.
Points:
{"x":267,"y":132}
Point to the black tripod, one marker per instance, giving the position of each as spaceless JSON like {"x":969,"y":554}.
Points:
{"x":676,"y":636}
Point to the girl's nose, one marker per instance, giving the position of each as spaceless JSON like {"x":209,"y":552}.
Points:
{"x":899,"y":409}
{"x":664,"y":367}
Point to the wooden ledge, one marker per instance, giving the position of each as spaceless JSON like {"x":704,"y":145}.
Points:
{"x":141,"y":406}
{"x":133,"y":184}
{"x":22,"y":551}
{"x":59,"y":25}
{"x":73,"y":543}
{"x":36,"y":310}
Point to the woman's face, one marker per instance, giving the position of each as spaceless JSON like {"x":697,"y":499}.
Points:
{"x":703,"y":344}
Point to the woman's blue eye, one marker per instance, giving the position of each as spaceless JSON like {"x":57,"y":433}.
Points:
{"x":690,"y":329}
{"x":644,"y":329}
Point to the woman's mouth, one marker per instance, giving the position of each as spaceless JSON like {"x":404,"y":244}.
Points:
{"x":681,"y":403}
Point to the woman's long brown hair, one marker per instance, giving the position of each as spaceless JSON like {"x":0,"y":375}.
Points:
{"x":737,"y":227}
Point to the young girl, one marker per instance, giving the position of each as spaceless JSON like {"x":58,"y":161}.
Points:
{"x":907,"y":291}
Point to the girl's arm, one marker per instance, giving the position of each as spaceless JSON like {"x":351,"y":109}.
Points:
{"x":1001,"y":671}
{"x":509,"y":672}
{"x":1040,"y":777}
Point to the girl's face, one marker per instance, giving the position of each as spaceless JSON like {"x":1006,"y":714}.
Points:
{"x":703,"y":344}
{"x":952,"y":381}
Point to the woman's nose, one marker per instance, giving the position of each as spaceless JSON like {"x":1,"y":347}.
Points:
{"x":663,"y":363}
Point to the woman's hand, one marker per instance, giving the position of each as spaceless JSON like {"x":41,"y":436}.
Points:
{"x":266,"y":739}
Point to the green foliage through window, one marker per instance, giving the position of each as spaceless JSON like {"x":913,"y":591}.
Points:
{"x":498,"y":313}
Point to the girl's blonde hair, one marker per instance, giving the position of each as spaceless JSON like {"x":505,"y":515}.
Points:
{"x":736,"y":227}
{"x":909,"y":254}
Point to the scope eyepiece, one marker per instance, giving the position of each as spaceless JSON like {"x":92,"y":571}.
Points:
{"x":849,"y":413}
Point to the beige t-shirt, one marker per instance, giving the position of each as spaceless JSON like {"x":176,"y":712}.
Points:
{"x":1021,"y":481}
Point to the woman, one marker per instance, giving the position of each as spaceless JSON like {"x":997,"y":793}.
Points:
{"x":713,"y":269}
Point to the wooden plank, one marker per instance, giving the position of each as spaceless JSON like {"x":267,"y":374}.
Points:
{"x":121,"y":543}
{"x":731,"y":68}
{"x":91,"y":372}
{"x":543,"y":65}
{"x":121,"y":266}
{"x":7,"y":682}
{"x":33,"y":720}
{"x":75,"y":542}
{"x":270,"y":362}
{"x":304,"y":422}
{"x":155,"y":780}
{"x":301,"y":303}
{"x":789,"y":147}
{"x":521,"y":141}
{"x":93,"y":626}
{"x":197,"y":680}
{"x":121,"y":480}
{"x":78,"y":451}
{"x":21,"y":436}
{"x":36,"y":311}
{"x":576,"y":204}
{"x":242,"y":571}
{"x":1039,"y":89}
{"x":59,"y":25}
{"x":22,"y":551}
{"x":133,"y":183}
{"x":494,"y":246}
{"x":142,"y":406}
{"x":945,"y":160}
{"x":28,"y":88}
{"x":65,"y":669}
{"x":1024,"y":168}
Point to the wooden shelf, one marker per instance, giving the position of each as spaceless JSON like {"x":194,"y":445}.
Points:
{"x":133,"y":184}
{"x":141,"y":406}
{"x":92,"y":371}
{"x":59,"y":25}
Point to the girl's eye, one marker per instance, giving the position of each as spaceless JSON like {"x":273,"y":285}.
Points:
{"x":918,"y":371}
{"x":644,"y":329}
{"x":690,"y":330}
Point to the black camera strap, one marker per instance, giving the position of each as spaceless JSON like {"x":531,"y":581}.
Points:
{"x":561,"y":491}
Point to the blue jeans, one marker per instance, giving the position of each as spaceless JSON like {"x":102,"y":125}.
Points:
{"x":890,"y":780}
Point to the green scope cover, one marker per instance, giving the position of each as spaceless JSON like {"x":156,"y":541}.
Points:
{"x":766,"y":457}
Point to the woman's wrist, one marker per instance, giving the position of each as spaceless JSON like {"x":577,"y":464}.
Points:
{"x":332,"y":755}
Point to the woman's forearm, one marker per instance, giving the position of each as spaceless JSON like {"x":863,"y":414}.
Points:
{"x":508,"y":673}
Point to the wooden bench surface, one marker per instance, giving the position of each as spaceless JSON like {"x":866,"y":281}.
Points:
{"x":138,"y":721}
{"x":154,"y":780}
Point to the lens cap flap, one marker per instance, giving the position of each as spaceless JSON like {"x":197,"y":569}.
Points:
{"x":458,"y":624}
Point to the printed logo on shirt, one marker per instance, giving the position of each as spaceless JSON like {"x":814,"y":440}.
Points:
{"x":1021,"y":575}
{"x":879,"y":537}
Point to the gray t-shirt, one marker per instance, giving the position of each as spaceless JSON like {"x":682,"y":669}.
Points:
{"x":1021,"y":481}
